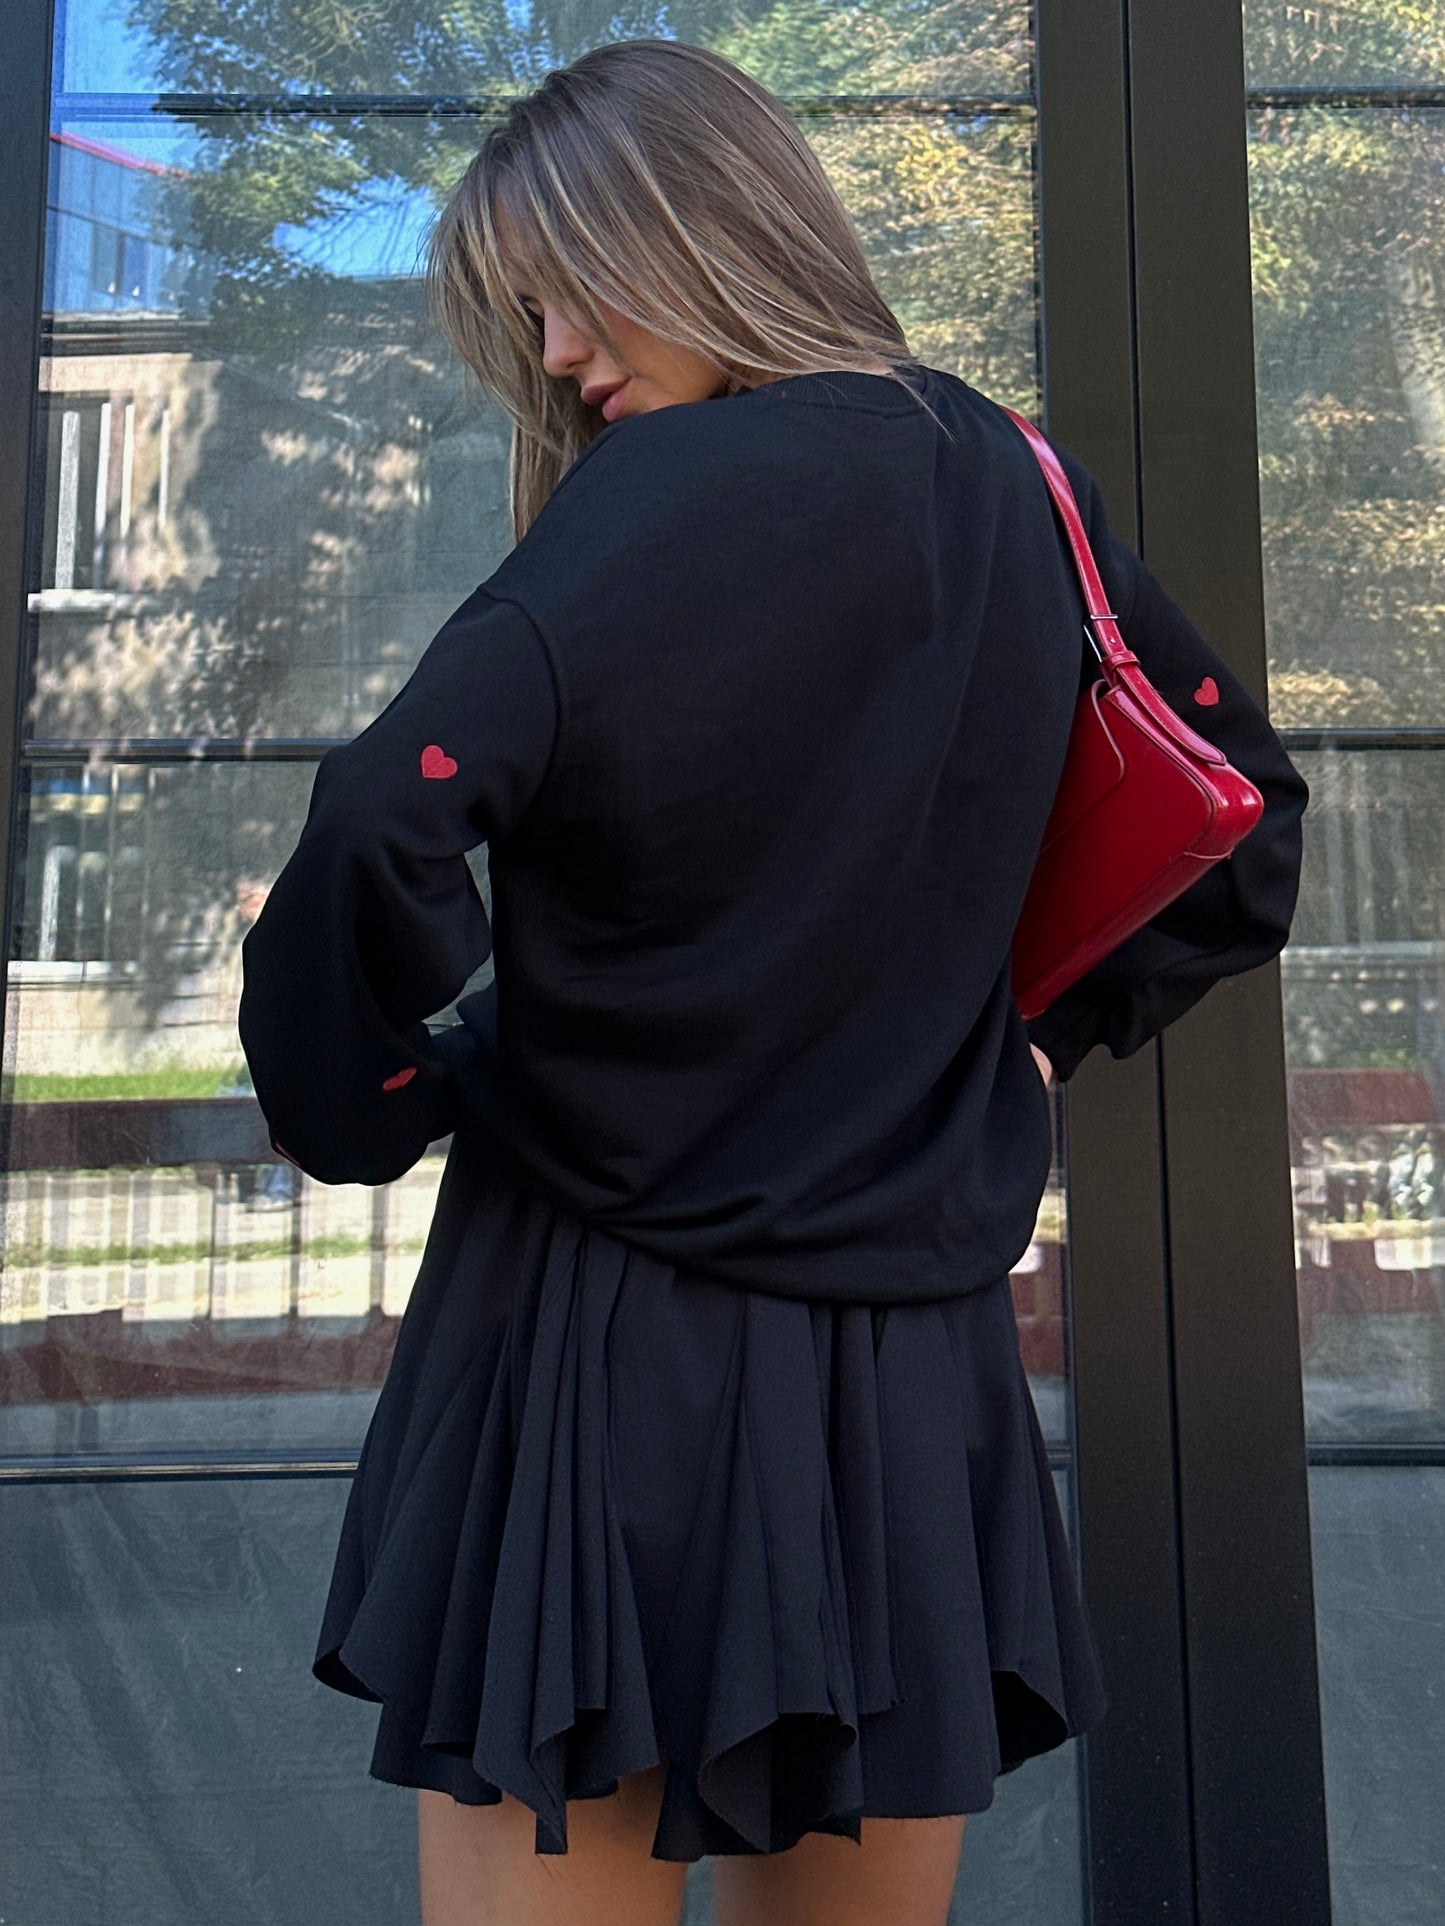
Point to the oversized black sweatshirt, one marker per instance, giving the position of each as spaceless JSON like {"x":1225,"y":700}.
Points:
{"x":760,"y":722}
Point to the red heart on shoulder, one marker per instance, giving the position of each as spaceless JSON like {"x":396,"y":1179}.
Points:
{"x":1207,"y":692}
{"x":436,"y":764}
{"x":401,"y":1077}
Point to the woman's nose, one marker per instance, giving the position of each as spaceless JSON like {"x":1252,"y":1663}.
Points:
{"x":564,"y":345}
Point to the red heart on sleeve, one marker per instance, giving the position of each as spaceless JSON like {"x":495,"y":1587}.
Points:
{"x":1207,"y":692}
{"x":436,"y":764}
{"x":401,"y":1077}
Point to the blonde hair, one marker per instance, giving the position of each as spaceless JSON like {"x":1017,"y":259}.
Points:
{"x":662,"y":179}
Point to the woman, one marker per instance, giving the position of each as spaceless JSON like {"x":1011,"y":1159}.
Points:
{"x":705,"y":1510}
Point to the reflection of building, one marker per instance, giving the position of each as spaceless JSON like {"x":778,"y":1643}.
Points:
{"x":114,"y":288}
{"x":129,"y":960}
{"x":103,"y":253}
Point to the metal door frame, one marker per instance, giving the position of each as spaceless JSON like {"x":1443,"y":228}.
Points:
{"x":1204,"y":1789}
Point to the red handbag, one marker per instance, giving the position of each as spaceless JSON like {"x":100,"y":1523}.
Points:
{"x":1144,"y":806}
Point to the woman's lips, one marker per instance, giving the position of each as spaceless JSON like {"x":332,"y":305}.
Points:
{"x":611,"y":402}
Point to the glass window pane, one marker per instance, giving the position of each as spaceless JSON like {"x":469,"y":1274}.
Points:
{"x":169,"y":1285}
{"x":1364,"y":981}
{"x":298,"y":47}
{"x":265,"y":488}
{"x":168,"y":1758}
{"x":1379,"y":1547}
{"x":1315,"y":43}
{"x":1350,"y":353}
{"x":159,"y":1637}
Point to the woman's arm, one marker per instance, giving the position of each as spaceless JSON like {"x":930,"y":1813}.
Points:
{"x":1238,"y":914}
{"x":375,"y":923}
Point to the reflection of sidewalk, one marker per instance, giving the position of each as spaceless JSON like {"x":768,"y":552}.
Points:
{"x":1368,"y":1153}
{"x":242,"y":1281}
{"x":209,"y":1241}
{"x":164,"y":1292}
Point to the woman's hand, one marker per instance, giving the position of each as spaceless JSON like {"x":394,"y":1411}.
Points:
{"x":1046,"y":1069}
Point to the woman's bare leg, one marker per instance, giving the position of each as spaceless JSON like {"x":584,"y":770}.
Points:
{"x":901,"y":1873}
{"x":479,"y":1866}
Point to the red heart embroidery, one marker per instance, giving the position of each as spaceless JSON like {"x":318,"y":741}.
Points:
{"x":401,"y":1077}
{"x":436,"y":764}
{"x":1207,"y":692}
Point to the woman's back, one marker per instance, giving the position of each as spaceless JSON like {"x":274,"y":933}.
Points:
{"x":762,"y":720}
{"x":706,"y":1472}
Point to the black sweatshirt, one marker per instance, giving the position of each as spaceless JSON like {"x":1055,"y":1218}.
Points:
{"x":761,"y":722}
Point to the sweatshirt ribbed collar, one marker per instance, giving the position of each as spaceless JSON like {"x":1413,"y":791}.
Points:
{"x":840,"y":387}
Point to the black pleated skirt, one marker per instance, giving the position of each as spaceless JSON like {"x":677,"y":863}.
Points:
{"x":607,"y":1513}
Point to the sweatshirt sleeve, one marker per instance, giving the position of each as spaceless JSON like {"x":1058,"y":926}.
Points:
{"x":1238,"y":914}
{"x":375,"y":922}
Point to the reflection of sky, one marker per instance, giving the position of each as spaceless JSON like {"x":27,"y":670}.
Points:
{"x":97,"y":53}
{"x":379,"y":233}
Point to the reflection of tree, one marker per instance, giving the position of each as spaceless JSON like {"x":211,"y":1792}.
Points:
{"x":271,"y":573}
{"x":326,"y":458}
{"x":944,"y":202}
{"x":1346,"y":230}
{"x":1348,"y":235}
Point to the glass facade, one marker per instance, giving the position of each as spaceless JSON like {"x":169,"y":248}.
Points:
{"x":258,"y":487}
{"x":1346,"y":142}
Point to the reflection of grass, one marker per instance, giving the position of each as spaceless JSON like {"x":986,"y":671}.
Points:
{"x":53,"y":1257}
{"x":1358,"y":1230}
{"x":171,"y":1081}
{"x":1372,"y":1222}
{"x":1380,"y":1058}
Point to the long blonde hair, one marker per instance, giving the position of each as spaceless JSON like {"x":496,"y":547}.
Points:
{"x":663,"y":179}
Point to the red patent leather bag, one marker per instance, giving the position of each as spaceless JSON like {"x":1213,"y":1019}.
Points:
{"x":1144,"y":807}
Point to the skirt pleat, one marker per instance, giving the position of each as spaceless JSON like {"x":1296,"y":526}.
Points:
{"x":608,"y":1514}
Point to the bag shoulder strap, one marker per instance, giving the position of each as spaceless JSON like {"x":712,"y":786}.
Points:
{"x":1122,"y":668}
{"x":1109,"y":645}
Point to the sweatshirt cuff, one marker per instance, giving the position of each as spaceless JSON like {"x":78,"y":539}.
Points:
{"x":1066,"y":1032}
